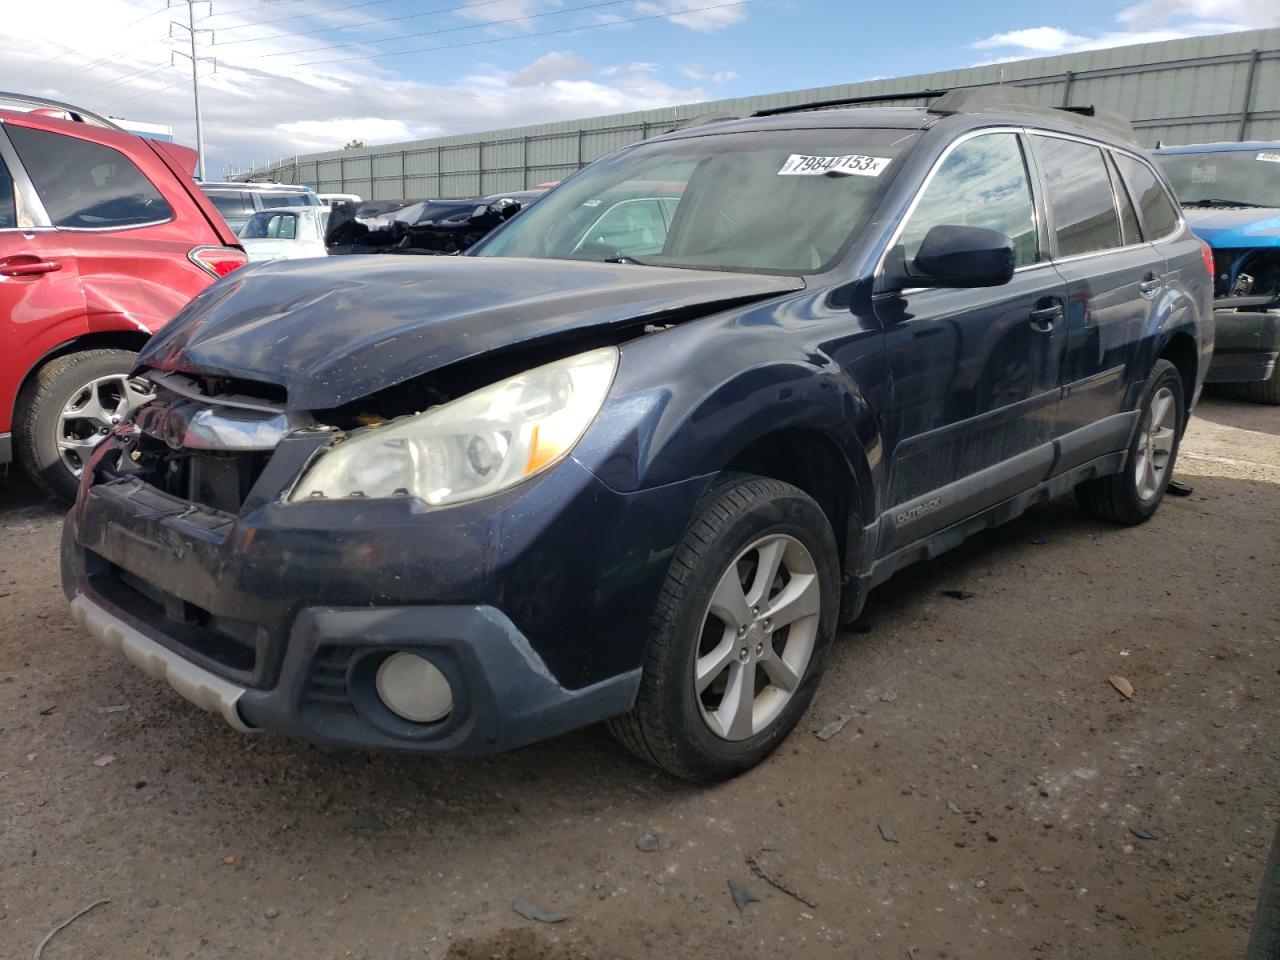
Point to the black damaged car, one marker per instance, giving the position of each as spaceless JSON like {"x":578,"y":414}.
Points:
{"x":637,"y":455}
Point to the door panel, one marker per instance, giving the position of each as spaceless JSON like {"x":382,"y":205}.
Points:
{"x":975,"y":385}
{"x":41,"y":304}
{"x":975,"y":372}
{"x":1112,"y":277}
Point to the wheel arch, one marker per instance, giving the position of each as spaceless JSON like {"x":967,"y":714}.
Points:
{"x":1180,"y":349}
{"x":131,"y":340}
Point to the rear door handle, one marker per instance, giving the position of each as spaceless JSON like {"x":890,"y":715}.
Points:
{"x":1149,"y":286}
{"x":1042,"y":319}
{"x":27,"y":266}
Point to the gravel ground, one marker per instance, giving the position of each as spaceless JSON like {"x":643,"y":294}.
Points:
{"x":991,"y":794}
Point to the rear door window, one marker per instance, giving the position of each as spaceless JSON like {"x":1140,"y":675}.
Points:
{"x":236,"y":204}
{"x":1081,"y":204}
{"x":8,"y":207}
{"x":85,"y":185}
{"x":286,"y":200}
{"x":1158,"y":211}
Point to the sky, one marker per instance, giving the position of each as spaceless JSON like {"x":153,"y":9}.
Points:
{"x":285,"y":77}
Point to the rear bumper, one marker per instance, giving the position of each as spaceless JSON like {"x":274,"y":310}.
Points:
{"x":1247,"y":346}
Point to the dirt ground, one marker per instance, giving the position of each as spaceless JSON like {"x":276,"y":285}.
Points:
{"x":991,"y":795}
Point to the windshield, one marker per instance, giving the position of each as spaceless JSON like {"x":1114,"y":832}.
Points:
{"x":781,"y":202}
{"x":1244,"y":177}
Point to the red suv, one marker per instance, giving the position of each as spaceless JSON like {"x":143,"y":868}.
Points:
{"x":103,"y":237}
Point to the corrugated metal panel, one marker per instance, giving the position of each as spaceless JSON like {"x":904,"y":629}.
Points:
{"x":1177,"y":91}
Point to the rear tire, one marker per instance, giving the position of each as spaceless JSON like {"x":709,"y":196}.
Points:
{"x":52,"y":441}
{"x":1265,"y":391}
{"x":765,"y":549}
{"x":1132,"y":495}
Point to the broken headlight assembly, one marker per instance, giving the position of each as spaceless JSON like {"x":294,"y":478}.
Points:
{"x":473,"y":447}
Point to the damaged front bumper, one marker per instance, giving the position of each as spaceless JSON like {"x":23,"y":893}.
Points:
{"x":534,"y":604}
{"x":1246,"y":347}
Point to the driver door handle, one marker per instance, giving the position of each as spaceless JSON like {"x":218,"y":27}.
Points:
{"x":1042,"y":319}
{"x":26,"y":265}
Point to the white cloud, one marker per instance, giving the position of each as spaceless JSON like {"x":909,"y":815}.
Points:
{"x":1043,"y":39}
{"x":1148,"y":21}
{"x":257,"y":106}
{"x":1241,"y":14}
{"x":724,"y":76}
{"x":551,"y":66}
{"x":687,"y":13}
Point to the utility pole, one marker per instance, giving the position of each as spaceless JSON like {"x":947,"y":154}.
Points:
{"x":190,"y":27}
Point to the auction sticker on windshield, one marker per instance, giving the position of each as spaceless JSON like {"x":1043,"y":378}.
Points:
{"x":1269,"y":157}
{"x":802,"y":165}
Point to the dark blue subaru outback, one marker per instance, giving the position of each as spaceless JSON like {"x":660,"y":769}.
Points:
{"x":638,"y":455}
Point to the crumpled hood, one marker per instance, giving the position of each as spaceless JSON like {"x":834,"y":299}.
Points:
{"x":337,"y":329}
{"x":1234,"y":227}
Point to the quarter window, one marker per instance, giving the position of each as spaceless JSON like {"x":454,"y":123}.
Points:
{"x":87,"y":185}
{"x":1129,"y":229}
{"x":8,"y":208}
{"x":982,"y":183}
{"x":1080,"y":198}
{"x":1158,"y":211}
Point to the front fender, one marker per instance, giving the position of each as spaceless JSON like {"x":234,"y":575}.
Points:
{"x":714,"y":401}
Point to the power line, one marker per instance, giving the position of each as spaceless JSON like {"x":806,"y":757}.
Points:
{"x":475,"y":43}
{"x":440,"y":30}
{"x":131,"y":23}
{"x":529,"y":36}
{"x":365,"y":23}
{"x":293,"y":16}
{"x":103,"y":61}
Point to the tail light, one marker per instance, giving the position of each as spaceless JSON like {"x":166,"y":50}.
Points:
{"x":1206,"y":254}
{"x":218,"y":261}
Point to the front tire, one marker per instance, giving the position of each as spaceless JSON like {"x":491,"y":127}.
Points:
{"x":1132,"y":496}
{"x":741,"y":632}
{"x":69,"y":408}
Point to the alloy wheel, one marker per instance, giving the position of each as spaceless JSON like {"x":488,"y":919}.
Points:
{"x":93,"y":411}
{"x":1155,"y":444}
{"x":758,"y":635}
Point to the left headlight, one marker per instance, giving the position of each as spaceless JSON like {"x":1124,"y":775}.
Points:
{"x":472,"y":447}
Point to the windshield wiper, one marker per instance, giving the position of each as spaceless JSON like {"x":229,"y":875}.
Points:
{"x":626,"y":259}
{"x":1217,"y":202}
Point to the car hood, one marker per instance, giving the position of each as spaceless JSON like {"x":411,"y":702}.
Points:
{"x":1235,"y":226}
{"x":335,"y":330}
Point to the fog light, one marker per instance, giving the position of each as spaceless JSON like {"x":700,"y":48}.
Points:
{"x":414,"y":688}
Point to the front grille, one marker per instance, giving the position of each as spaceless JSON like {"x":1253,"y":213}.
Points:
{"x":207,"y":441}
{"x":219,"y":481}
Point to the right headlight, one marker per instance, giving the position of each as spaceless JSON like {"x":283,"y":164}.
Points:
{"x":472,"y":447}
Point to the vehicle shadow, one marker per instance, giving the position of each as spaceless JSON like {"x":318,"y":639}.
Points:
{"x":1225,"y":407}
{"x":22,"y":500}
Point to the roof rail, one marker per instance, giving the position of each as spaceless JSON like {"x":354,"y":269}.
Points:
{"x":79,"y":114}
{"x":988,"y":98}
{"x":702,"y":120}
{"x":847,"y":102}
{"x":1001,"y":98}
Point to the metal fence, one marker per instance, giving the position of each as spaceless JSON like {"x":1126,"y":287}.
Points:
{"x":1197,"y":90}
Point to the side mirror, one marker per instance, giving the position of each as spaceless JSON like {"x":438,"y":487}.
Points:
{"x":956,"y":256}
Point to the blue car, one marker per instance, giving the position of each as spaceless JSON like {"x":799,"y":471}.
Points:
{"x":638,"y":454}
{"x":1231,"y":195}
